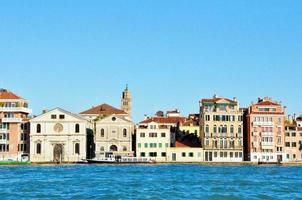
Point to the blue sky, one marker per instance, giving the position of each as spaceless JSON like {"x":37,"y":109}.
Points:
{"x":75,"y":54}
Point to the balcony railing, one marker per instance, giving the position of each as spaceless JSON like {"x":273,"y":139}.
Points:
{"x":3,"y":130}
{"x":263,"y":123}
{"x":11,"y":120}
{"x":267,"y":143}
{"x":15,"y":109}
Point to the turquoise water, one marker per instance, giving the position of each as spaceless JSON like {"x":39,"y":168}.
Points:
{"x":150,"y":182}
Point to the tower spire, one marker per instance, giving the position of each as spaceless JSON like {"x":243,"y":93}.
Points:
{"x":126,"y":104}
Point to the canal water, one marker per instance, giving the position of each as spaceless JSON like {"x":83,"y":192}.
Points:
{"x":150,"y":182}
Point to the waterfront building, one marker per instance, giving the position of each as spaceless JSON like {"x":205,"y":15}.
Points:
{"x":113,"y":130}
{"x":58,"y":136}
{"x":221,"y":130}
{"x":156,"y":134}
{"x":293,"y":140}
{"x":14,"y":126}
{"x":264,"y":139}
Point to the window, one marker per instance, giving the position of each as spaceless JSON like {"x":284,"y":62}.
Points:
{"x":293,"y":134}
{"x":183,"y":154}
{"x":102,"y":132}
{"x":53,"y":116}
{"x":102,"y":149}
{"x":231,"y":154}
{"x":239,"y":129}
{"x":215,"y":154}
{"x":167,"y":145}
{"x":38,"y":148}
{"x":163,"y":134}
{"x":287,"y":144}
{"x":225,"y":154}
{"x":124,"y":148}
{"x":62,"y":116}
{"x":294,"y":144}
{"x":139,"y":145}
{"x":221,"y":154}
{"x":4,"y":147}
{"x":142,"y":135}
{"x":153,"y":154}
{"x":143,"y":154}
{"x":38,"y":128}
{"x":146,"y":145}
{"x":77,"y":148}
{"x":113,"y":118}
{"x":232,"y":130}
{"x":240,"y":154}
{"x":236,"y":154}
{"x":191,"y":154}
{"x":77,"y":128}
{"x":207,"y":129}
{"x":160,"y":145}
{"x":163,"y":154}
{"x":22,"y":147}
{"x":152,"y":134}
{"x":287,"y":134}
{"x":124,"y":132}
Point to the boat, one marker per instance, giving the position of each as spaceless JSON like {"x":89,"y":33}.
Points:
{"x":117,"y":159}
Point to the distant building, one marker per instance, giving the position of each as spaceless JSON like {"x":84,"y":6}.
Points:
{"x":293,"y":140}
{"x":221,"y":130}
{"x":14,"y":126}
{"x":191,"y":125}
{"x":58,"y":136}
{"x":113,"y":130}
{"x":156,"y":134}
{"x":265,"y":131}
{"x":127,"y":101}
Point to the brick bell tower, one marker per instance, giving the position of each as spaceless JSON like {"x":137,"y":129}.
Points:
{"x":126,"y":101}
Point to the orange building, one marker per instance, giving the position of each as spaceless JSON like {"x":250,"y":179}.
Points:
{"x":265,"y":123}
{"x":14,"y":127}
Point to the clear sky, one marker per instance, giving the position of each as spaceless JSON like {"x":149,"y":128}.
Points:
{"x":75,"y":54}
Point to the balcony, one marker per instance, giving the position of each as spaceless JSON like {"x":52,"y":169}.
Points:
{"x":267,"y":143}
{"x":263,"y":124}
{"x":15,"y":109}
{"x":3,"y":130}
{"x":267,"y":134}
{"x":11,"y":120}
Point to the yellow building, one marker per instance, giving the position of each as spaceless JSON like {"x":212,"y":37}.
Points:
{"x":221,"y":128}
{"x":191,"y":125}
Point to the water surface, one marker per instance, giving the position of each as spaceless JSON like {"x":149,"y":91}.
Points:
{"x":150,"y":182}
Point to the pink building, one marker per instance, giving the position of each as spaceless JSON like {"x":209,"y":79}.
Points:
{"x":14,"y":127}
{"x":265,"y":121}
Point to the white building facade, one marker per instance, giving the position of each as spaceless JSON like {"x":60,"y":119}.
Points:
{"x":58,"y":136}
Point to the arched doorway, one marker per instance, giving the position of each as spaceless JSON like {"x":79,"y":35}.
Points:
{"x":113,"y":148}
{"x":58,"y":153}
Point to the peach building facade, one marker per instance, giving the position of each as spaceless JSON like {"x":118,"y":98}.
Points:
{"x":14,"y":127}
{"x":265,"y":131}
{"x":293,"y":140}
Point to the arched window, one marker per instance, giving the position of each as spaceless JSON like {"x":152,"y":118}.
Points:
{"x":124,"y":132}
{"x":113,"y":148}
{"x":124,"y":148}
{"x":38,"y":128}
{"x":232,"y":129}
{"x":77,"y":128}
{"x":77,"y":148}
{"x":239,"y":129}
{"x":102,"y":149}
{"x":215,"y":129}
{"x":38,"y":149}
{"x":102,"y":132}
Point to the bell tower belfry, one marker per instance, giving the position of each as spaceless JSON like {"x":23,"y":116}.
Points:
{"x":126,"y":101}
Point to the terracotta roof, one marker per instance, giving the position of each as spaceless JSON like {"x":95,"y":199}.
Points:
{"x":5,"y":94}
{"x":165,"y":120}
{"x":189,"y":122}
{"x":214,"y":100}
{"x":267,"y":103}
{"x":103,"y":109}
{"x":180,"y":144}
